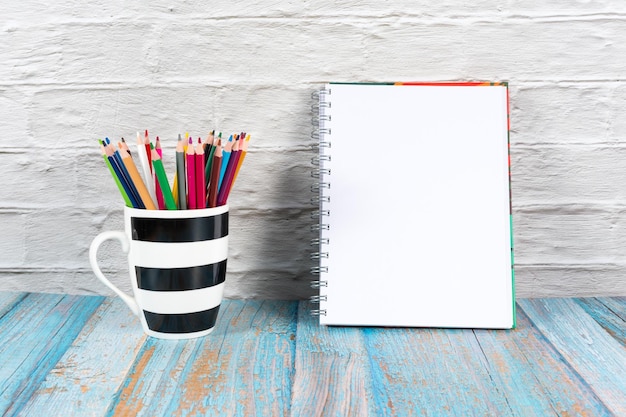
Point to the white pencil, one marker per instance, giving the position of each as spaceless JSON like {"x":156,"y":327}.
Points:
{"x":145,"y":167}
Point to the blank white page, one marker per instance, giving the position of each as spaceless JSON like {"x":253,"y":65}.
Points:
{"x":419,"y":211}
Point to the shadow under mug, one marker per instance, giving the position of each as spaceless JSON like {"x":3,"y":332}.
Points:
{"x":177,"y":265}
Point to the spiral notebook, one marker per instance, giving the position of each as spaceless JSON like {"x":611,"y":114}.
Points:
{"x":413,"y":187}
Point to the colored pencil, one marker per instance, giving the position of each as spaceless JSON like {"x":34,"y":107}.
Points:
{"x":180,"y":174}
{"x":207,"y":170}
{"x":159,"y":171}
{"x":175,"y":190}
{"x":145,"y":167}
{"x":224,"y":189}
{"x":124,"y":145}
{"x":146,"y":143}
{"x":136,"y":178}
{"x":134,"y":194}
{"x":244,"y":151}
{"x":157,"y":187}
{"x":225,"y":157}
{"x":115,"y":176}
{"x":191,"y":176}
{"x":206,"y":147}
{"x":200,"y":183}
{"x":116,"y":167}
{"x":215,"y":174}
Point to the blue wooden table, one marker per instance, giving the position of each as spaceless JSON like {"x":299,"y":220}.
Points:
{"x":66,"y":355}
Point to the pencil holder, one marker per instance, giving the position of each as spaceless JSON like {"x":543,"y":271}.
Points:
{"x":177,"y":265}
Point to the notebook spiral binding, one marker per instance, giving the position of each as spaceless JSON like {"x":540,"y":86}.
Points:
{"x":321,"y":135}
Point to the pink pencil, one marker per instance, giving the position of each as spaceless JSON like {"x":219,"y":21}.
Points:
{"x":191,"y":176}
{"x":200,"y":189}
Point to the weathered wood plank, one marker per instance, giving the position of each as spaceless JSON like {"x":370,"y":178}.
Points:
{"x":607,"y":313}
{"x":35,"y":335}
{"x":244,"y":367}
{"x":431,"y":372}
{"x":529,"y":372}
{"x":616,"y":304}
{"x":8,"y":300}
{"x":85,"y":379}
{"x":332,"y":375}
{"x":597,"y":357}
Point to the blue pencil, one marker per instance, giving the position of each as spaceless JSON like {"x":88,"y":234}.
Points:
{"x":122,"y":172}
{"x":126,"y":176}
{"x":116,"y":169}
{"x":225,"y":157}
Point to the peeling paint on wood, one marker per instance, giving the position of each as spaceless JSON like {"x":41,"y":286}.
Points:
{"x":84,"y":355}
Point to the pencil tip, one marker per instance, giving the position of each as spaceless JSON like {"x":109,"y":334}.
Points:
{"x":179,"y":137}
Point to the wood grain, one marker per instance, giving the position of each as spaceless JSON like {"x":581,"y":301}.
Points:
{"x":236,"y":370}
{"x":591,"y":352}
{"x":35,"y":334}
{"x":332,"y":375}
{"x":85,"y":355}
{"x":86,"y":378}
{"x":528,"y":371}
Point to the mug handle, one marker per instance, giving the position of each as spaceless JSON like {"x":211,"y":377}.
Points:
{"x":93,"y":251}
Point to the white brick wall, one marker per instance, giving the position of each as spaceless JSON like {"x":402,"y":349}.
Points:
{"x":72,"y":72}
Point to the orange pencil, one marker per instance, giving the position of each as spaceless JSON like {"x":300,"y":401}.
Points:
{"x":244,"y":151}
{"x":124,"y":145}
{"x":136,"y":178}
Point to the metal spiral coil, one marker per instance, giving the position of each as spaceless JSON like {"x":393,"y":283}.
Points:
{"x":318,"y":173}
{"x":320,"y":226}
{"x":319,"y":241}
{"x":318,"y":298}
{"x":321,"y":134}
{"x":320,"y":312}
{"x":317,"y":284}
{"x":316,"y":270}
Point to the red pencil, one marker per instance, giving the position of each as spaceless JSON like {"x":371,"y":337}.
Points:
{"x":191,"y":176}
{"x":146,"y":142}
{"x":200,"y":189}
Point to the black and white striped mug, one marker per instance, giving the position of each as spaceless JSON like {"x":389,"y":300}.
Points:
{"x":177,"y":264}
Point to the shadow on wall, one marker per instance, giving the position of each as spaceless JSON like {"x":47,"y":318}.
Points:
{"x":270,"y":251}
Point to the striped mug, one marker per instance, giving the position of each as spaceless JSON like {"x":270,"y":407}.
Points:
{"x":177,"y":264}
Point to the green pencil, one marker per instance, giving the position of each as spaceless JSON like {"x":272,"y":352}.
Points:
{"x":168,"y":197}
{"x":115,"y":177}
